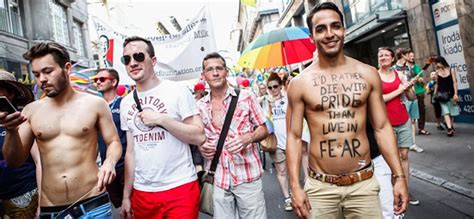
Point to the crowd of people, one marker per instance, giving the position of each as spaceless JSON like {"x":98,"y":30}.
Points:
{"x":340,"y":120}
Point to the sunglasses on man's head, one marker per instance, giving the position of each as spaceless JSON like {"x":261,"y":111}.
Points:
{"x":102,"y":79}
{"x":139,"y":57}
{"x":273,"y":87}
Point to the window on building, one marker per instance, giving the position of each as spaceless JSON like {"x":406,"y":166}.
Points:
{"x":60,"y":28}
{"x":355,"y":11}
{"x":10,"y":17}
{"x":78,"y":39}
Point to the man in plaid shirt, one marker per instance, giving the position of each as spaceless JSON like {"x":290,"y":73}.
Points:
{"x":238,"y":186}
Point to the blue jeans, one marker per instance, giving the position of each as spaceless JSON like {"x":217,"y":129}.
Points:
{"x":103,"y":211}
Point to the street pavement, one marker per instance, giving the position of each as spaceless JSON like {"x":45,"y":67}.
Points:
{"x":446,"y":161}
{"x":442,"y":177}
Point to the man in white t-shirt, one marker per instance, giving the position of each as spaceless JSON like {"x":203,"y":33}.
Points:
{"x":158,"y":161}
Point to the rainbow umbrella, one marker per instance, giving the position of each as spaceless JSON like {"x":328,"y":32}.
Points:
{"x":279,"y":47}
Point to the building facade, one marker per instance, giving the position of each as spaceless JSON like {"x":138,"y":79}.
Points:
{"x":429,"y":27}
{"x":26,"y":22}
{"x":254,"y":21}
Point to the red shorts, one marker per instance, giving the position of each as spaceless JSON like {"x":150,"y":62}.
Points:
{"x":179,"y":202}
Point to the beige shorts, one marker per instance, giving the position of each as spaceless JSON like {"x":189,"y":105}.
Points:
{"x":278,"y":156}
{"x":359,"y":200}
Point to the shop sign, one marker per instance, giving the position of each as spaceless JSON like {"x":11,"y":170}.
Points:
{"x":451,"y":48}
{"x":444,"y":11}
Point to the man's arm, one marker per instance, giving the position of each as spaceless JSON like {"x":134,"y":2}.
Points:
{"x":235,"y":145}
{"x":190,"y":130}
{"x":114,"y":147}
{"x":294,"y":148}
{"x":129,"y":177}
{"x":387,"y":142}
{"x":257,"y":118}
{"x":18,"y":139}
{"x":36,"y":158}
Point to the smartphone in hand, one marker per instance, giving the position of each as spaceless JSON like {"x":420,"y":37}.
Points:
{"x":6,"y":105}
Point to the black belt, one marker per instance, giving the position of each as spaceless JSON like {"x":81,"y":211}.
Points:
{"x":75,"y":211}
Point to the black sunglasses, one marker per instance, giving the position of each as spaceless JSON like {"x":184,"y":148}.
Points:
{"x":273,"y":87}
{"x":102,"y":79}
{"x":139,"y":57}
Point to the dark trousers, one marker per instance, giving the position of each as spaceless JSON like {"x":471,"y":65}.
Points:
{"x":115,"y":189}
{"x":421,"y":108}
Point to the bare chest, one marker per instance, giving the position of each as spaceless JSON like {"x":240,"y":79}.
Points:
{"x":48,"y":123}
{"x":337,"y":92}
{"x":217,"y":112}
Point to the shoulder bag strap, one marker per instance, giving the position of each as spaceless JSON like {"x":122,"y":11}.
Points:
{"x":139,"y":107}
{"x":225,"y":129}
{"x":135,"y":97}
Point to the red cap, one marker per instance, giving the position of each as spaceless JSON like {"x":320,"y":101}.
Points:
{"x":245,"y":83}
{"x":199,"y":86}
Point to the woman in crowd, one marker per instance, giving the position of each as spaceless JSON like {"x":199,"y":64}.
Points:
{"x":392,"y":90}
{"x":446,"y":92}
{"x":277,"y":106}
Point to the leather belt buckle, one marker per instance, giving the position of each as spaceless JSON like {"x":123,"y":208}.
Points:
{"x":344,"y":180}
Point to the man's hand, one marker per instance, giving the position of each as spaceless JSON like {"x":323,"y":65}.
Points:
{"x":238,"y":143}
{"x":11,"y":121}
{"x":400,"y":195}
{"x":420,"y":80}
{"x":126,"y":210}
{"x":106,"y":175}
{"x":300,"y":202}
{"x":151,"y":118}
{"x":208,"y":149}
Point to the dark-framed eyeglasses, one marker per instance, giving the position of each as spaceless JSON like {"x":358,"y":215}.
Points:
{"x":139,"y":57}
{"x":273,"y":87}
{"x":102,"y":79}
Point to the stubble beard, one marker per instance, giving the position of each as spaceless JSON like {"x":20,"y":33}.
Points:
{"x":61,"y":85}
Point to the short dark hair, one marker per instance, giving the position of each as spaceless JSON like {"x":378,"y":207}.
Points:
{"x":150,"y":50}
{"x":59,"y":52}
{"x":401,"y":51}
{"x":213,"y":55}
{"x":274,"y":77}
{"x":441,"y":60}
{"x":113,"y":73}
{"x":320,"y":7}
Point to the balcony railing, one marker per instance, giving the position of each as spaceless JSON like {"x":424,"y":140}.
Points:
{"x":10,"y":22}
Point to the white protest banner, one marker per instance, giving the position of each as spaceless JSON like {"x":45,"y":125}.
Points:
{"x":179,"y":55}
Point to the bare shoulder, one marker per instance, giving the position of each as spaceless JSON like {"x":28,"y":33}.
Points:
{"x":303,"y":80}
{"x":368,"y":72}
{"x":91,"y":100}
{"x":29,"y":109}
